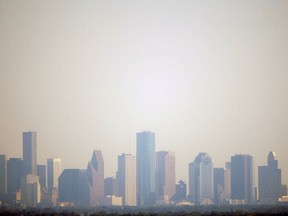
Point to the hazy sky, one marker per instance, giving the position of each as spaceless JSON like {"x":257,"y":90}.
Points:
{"x":205,"y":76}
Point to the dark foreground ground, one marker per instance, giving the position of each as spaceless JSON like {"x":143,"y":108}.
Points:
{"x":155,"y":211}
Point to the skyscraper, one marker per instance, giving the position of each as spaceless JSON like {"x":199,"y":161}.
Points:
{"x":242,"y":178}
{"x":145,"y":162}
{"x":3,"y":174}
{"x":181,"y":191}
{"x":201,"y":188}
{"x":94,"y":180}
{"x":14,"y":173}
{"x":165,"y":176}
{"x":70,"y":186}
{"x":127,"y":179}
{"x":269,"y":181}
{"x":110,"y":186}
{"x":54,"y":170}
{"x":41,"y":172}
{"x":29,"y":153}
{"x":30,"y":190}
{"x":221,"y":185}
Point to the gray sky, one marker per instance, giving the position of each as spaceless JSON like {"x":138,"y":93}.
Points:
{"x":207,"y":76}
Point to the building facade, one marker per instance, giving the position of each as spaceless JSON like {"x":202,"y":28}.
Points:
{"x":242,"y":179}
{"x":201,"y":187}
{"x":127,"y":179}
{"x":146,"y":168}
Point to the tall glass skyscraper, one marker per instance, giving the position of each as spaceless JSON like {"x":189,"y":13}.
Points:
{"x":201,"y":186}
{"x":242,"y":178}
{"x":94,"y":180}
{"x":146,"y":168}
{"x":29,"y":153}
{"x":269,"y":181}
{"x":14,"y":173}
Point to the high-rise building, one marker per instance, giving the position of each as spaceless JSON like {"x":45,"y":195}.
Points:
{"x":94,"y":183}
{"x":110,"y":186}
{"x":14,"y":173}
{"x":242,"y":178}
{"x":41,"y":172}
{"x":29,"y":153}
{"x":146,"y":169}
{"x":70,"y":186}
{"x":54,"y":169}
{"x":165,"y":176}
{"x":201,"y":188}
{"x":127,"y":179}
{"x":227,"y":179}
{"x":221,"y":185}
{"x":269,"y":181}
{"x":181,"y":191}
{"x":3,"y":174}
{"x":30,"y":190}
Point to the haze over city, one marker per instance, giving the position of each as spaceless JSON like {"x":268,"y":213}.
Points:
{"x":205,"y":76}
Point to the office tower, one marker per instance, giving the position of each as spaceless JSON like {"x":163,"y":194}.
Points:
{"x":269,"y":181}
{"x":146,"y":169}
{"x":3,"y":174}
{"x":29,"y":153}
{"x":221,"y":185}
{"x":227,"y":179}
{"x":41,"y":172}
{"x":165,"y":176}
{"x":30,"y":190}
{"x":201,"y":188}
{"x":127,"y":179}
{"x":94,"y":184}
{"x":181,"y":191}
{"x":14,"y":173}
{"x":70,"y":186}
{"x":110,"y":186}
{"x":54,"y":169}
{"x":242,"y":178}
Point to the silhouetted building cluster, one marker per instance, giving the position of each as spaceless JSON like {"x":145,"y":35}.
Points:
{"x":147,"y":179}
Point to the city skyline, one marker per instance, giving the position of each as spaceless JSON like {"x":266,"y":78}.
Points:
{"x":205,"y":76}
{"x":114,"y":172}
{"x":147,"y":179}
